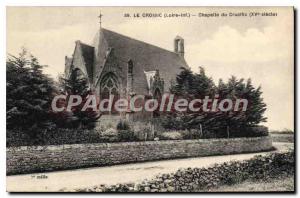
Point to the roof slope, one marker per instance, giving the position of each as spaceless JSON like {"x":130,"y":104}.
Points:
{"x":145,"y":57}
{"x":88,"y":57}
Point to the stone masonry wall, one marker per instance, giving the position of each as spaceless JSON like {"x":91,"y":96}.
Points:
{"x":207,"y":179}
{"x":282,"y":137}
{"x":48,"y":158}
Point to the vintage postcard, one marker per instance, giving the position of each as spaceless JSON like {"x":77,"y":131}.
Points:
{"x":150,"y":99}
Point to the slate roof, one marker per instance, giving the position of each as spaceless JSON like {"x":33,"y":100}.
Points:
{"x":88,"y":56}
{"x":68,"y":63}
{"x":145,"y":57}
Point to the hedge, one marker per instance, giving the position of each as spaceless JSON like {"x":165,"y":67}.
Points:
{"x":122,"y":134}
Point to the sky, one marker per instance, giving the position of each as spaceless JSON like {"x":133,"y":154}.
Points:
{"x":260,"y":48}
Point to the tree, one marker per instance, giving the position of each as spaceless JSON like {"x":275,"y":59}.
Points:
{"x":256,"y":107}
{"x":217,"y":123}
{"x":29,"y":94}
{"x":191,"y":86}
{"x":238,"y":121}
{"x":77,"y":84}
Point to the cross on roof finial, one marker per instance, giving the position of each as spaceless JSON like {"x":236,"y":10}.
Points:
{"x":100,"y":17}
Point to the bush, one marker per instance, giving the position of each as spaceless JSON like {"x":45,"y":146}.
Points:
{"x":61,"y":136}
{"x":17,"y":137}
{"x":181,"y":124}
{"x":126,"y":136}
{"x":173,"y":123}
{"x":191,"y":134}
{"x":109,"y":132}
{"x":259,"y":131}
{"x":172,"y":135}
{"x":255,"y":131}
{"x":109,"y":135}
{"x":52,"y":137}
{"x":143,"y":131}
{"x":123,"y":125}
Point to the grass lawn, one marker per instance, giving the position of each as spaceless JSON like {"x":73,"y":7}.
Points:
{"x":280,"y":184}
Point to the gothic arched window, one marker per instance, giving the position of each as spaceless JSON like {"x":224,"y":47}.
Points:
{"x":109,"y":88}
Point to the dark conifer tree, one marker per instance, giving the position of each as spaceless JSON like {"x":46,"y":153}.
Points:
{"x":78,"y":85}
{"x":29,"y":93}
{"x":216,"y":123}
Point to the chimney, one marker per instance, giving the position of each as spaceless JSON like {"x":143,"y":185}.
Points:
{"x":179,"y":46}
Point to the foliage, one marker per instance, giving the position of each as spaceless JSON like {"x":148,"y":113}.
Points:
{"x":234,"y":89}
{"x":126,"y":136}
{"x":123,"y":125}
{"x":171,"y":135}
{"x":192,"y":134}
{"x":143,"y":131}
{"x":61,"y":136}
{"x":51,"y":137}
{"x":18,"y":137}
{"x":215,"y":123}
{"x":29,"y":93}
{"x":193,"y":85}
{"x":78,"y":85}
{"x":109,"y":135}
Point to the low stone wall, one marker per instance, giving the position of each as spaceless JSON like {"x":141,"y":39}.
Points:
{"x":282,"y":137}
{"x":207,"y":179}
{"x":48,"y":158}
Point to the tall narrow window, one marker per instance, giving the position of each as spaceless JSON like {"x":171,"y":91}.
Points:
{"x":130,"y":66}
{"x":157,"y":96}
{"x":129,"y":76}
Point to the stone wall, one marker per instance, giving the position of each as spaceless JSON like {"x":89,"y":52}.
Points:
{"x":48,"y":158}
{"x":208,"y":179}
{"x":282,"y":137}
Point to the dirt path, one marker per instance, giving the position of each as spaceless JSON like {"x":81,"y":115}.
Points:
{"x":81,"y":178}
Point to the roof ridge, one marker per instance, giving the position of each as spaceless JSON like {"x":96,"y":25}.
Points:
{"x":81,"y":43}
{"x":128,"y":37}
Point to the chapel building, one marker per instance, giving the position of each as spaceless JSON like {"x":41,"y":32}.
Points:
{"x":118,"y":65}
